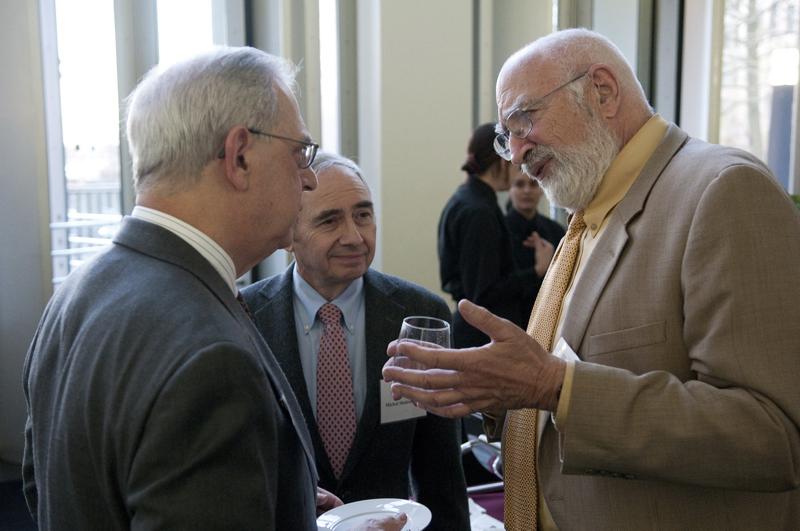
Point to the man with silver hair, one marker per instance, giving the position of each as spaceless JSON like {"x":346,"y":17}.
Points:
{"x":153,"y":402}
{"x":657,"y":384}
{"x":360,"y":452}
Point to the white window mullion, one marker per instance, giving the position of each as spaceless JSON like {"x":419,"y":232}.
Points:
{"x":54,"y":141}
{"x":228,"y":21}
{"x":794,"y":165}
{"x":137,"y":52}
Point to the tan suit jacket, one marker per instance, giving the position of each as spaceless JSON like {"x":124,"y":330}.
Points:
{"x":688,"y":313}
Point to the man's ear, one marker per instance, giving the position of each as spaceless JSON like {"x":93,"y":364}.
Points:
{"x":234,"y":154}
{"x":606,"y":89}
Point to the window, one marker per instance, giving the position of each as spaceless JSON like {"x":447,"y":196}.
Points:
{"x":329,"y":74}
{"x":83,"y":106}
{"x":86,"y":201}
{"x":184,"y":29}
{"x":759,"y":71}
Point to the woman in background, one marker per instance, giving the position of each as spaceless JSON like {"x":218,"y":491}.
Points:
{"x":475,"y":257}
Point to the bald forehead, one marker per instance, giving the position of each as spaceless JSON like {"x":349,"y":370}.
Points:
{"x":523,"y":78}
{"x":337,"y":177}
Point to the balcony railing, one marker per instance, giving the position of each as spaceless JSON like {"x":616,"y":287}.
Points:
{"x":93,"y":217}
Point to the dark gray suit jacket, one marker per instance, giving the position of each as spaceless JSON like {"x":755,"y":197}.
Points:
{"x":154,"y":403}
{"x":378,"y":464}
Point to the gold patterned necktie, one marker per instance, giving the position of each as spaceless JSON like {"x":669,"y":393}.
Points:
{"x":519,"y":436}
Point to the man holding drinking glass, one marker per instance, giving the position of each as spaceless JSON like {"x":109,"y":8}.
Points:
{"x":343,"y":315}
{"x":657,"y":385}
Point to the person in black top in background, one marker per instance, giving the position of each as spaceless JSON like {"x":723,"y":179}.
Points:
{"x":533,"y":236}
{"x":475,"y":258}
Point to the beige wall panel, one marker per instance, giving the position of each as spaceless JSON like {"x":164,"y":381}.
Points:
{"x":426,"y":102}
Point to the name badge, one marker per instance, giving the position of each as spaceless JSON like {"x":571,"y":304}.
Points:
{"x":396,"y":410}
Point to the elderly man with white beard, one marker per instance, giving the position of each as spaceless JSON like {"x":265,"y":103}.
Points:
{"x":656,"y":386}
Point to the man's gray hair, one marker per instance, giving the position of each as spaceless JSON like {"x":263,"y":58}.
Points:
{"x":178,"y":117}
{"x":326,"y":159}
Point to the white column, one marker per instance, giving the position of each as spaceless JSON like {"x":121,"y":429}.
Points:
{"x":24,"y":215}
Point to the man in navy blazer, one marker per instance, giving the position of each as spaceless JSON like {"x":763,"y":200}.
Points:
{"x":153,"y":402}
{"x":334,"y":243}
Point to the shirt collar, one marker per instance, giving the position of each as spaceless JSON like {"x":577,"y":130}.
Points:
{"x":201,"y":242}
{"x":349,"y":301}
{"x":624,"y":170}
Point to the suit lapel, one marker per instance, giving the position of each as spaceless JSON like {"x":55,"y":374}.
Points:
{"x":288,"y":397}
{"x":612,"y":243}
{"x":160,"y":243}
{"x":382,"y":317}
{"x":275,"y":318}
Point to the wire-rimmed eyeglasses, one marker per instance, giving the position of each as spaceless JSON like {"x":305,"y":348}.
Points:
{"x":303,"y":157}
{"x":520,"y":124}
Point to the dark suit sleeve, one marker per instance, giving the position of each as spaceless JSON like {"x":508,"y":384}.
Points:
{"x":207,"y":457}
{"x":29,"y":488}
{"x":28,"y":480}
{"x":436,"y":464}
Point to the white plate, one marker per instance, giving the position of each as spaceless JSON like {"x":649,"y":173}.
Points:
{"x":350,"y":515}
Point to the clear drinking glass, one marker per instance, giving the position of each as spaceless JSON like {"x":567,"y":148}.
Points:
{"x":426,"y":330}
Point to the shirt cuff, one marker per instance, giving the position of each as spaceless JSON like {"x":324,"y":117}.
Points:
{"x":562,"y":410}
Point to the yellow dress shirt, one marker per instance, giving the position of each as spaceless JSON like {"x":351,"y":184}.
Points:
{"x":621,"y":175}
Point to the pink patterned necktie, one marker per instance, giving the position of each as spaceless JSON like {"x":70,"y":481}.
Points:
{"x":336,"y":411}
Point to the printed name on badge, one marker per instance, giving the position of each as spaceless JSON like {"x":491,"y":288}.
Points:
{"x":396,"y":410}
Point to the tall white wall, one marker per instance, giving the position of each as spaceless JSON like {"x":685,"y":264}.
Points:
{"x":24,"y":239}
{"x":506,"y":27}
{"x":415,"y":116}
{"x":422,"y":73}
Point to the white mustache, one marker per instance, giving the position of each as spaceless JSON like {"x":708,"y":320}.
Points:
{"x":536,"y":155}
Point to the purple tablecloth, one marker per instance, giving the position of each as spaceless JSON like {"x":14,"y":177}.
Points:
{"x":492,"y":502}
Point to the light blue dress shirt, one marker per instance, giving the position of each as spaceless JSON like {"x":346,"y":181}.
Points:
{"x":309,"y":328}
